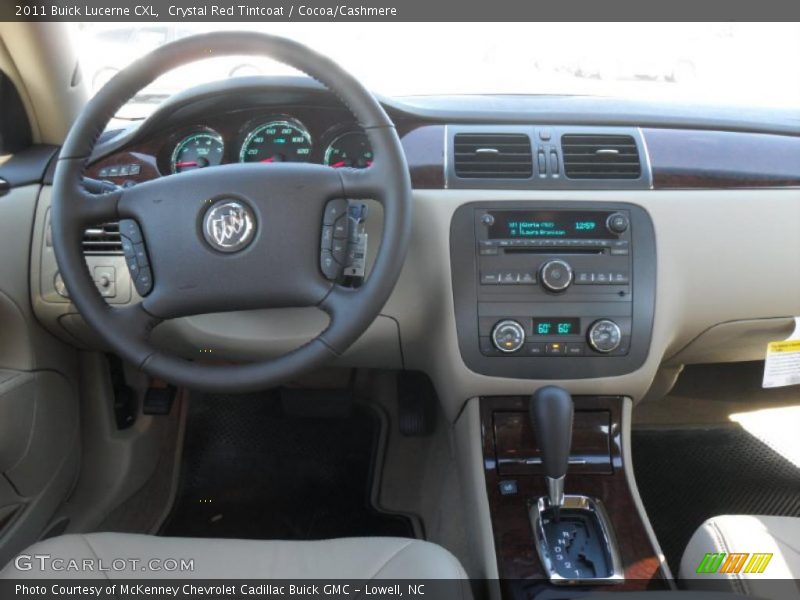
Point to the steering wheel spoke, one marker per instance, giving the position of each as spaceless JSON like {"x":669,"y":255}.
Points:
{"x":366,"y":183}
{"x":94,"y":209}
{"x":135,"y":319}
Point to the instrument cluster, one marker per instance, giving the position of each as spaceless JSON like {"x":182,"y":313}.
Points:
{"x":269,"y":139}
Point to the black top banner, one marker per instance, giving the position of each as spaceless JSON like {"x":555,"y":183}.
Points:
{"x":398,"y":10}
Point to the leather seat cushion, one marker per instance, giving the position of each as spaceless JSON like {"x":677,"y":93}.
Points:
{"x":779,"y":536}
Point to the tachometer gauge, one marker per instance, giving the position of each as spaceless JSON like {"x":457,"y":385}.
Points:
{"x":203,"y":149}
{"x":277,"y":141}
{"x":349,"y":150}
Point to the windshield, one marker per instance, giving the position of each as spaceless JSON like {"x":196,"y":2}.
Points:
{"x":727,"y":63}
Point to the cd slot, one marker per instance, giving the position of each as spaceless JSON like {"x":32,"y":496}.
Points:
{"x":552,"y":250}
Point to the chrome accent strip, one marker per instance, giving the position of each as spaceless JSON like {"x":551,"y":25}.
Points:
{"x":555,"y":490}
{"x":576,"y":502}
{"x":646,"y":158}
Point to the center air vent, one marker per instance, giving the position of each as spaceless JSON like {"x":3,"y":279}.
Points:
{"x":104,"y":239}
{"x":600,"y":156}
{"x":493,"y":155}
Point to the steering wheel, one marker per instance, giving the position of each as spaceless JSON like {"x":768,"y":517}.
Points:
{"x":232,"y":237}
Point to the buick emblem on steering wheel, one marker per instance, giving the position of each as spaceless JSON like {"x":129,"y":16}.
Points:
{"x":229,"y":225}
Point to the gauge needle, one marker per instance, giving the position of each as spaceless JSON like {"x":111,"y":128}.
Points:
{"x":268,"y":160}
{"x":339,"y":164}
{"x":188,"y":163}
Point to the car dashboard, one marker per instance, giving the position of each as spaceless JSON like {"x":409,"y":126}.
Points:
{"x":581,"y":242}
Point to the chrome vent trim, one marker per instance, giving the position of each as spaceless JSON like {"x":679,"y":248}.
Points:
{"x":600,"y":156}
{"x":102,"y":240}
{"x":493,"y":156}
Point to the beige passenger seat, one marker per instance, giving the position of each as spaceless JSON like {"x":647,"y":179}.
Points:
{"x":745,"y":554}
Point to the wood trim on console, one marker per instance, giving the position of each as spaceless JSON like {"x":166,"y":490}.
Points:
{"x":517,"y":559}
{"x":690,"y":159}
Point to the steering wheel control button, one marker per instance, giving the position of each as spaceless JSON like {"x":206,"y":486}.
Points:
{"x":141,"y":255}
{"x":339,"y":250}
{"x":333,"y":210}
{"x":556,"y":275}
{"x":340,"y":227}
{"x":144,"y":281}
{"x":129,"y":229}
{"x":229,"y":225}
{"x":326,"y":240}
{"x":343,"y":247}
{"x":136,"y":259}
{"x":604,"y":336}
{"x":508,"y":336}
{"x":330,"y":267}
{"x":617,"y":223}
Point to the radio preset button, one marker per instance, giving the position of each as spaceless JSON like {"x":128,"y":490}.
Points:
{"x":508,"y":336}
{"x":604,"y":336}
{"x":556,"y":275}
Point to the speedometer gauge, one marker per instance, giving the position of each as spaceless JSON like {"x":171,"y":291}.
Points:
{"x":349,"y":150}
{"x":277,"y":141}
{"x":203,"y":149}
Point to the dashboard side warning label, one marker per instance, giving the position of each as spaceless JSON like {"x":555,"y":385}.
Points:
{"x":782,"y":365}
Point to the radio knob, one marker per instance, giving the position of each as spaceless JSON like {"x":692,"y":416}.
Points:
{"x":604,"y":336}
{"x":555,"y":275}
{"x":508,"y":336}
{"x":617,"y":223}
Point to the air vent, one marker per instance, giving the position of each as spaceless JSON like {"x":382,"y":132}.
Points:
{"x":104,"y":239}
{"x":493,"y":155}
{"x":600,"y":157}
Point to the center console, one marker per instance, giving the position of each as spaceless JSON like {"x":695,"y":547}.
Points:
{"x":563,"y":513}
{"x":553,"y":290}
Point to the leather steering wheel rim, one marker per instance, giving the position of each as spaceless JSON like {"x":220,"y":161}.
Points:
{"x":127,"y":330}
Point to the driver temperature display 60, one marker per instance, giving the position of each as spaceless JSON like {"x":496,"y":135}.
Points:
{"x":515,"y":224}
{"x":556,"y":326}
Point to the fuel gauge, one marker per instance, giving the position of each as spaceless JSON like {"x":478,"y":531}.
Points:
{"x":199,"y":150}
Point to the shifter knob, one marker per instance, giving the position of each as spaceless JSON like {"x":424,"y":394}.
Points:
{"x":551,"y":412}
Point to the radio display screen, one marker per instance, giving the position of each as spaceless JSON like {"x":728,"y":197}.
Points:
{"x":519,"y":224}
{"x":556,"y":326}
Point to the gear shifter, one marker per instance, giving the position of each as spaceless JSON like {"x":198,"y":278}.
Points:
{"x":551,"y":411}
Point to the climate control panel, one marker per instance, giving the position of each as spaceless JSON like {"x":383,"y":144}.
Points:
{"x":553,"y":290}
{"x":554,"y":336}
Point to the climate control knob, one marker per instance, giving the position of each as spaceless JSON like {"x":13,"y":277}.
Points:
{"x":604,"y":336}
{"x":555,"y":275}
{"x":508,"y":336}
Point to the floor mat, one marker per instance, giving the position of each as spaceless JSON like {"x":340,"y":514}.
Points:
{"x":688,"y":475}
{"x":250,"y":470}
